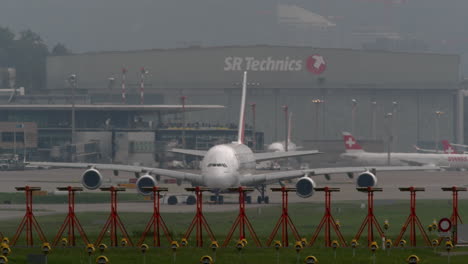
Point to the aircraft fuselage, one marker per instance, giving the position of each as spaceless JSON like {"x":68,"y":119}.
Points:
{"x":223,"y":165}
{"x":401,"y":159}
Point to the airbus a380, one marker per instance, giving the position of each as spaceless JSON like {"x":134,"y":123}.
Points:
{"x":229,"y":165}
{"x":357,"y":154}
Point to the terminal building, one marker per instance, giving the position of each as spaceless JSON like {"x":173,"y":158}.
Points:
{"x":414,"y":98}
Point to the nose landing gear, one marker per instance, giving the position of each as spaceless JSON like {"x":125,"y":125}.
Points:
{"x":262,"y":197}
{"x":216,"y":198}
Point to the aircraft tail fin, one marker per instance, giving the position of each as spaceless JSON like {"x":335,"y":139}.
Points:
{"x":350,"y":143}
{"x":240,"y":135}
{"x":448,"y":148}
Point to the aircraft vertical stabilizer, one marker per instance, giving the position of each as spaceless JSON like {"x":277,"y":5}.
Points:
{"x":240,"y":135}
{"x":351,"y":144}
{"x":448,"y":148}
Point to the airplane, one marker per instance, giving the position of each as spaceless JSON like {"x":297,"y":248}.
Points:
{"x":459,"y":145}
{"x":280,"y":146}
{"x":447,"y":149}
{"x":357,"y":154}
{"x":229,"y":166}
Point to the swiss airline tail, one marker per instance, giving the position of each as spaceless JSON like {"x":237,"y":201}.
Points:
{"x":351,"y":144}
{"x":448,"y":149}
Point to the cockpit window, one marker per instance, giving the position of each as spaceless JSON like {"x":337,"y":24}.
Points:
{"x":217,"y":165}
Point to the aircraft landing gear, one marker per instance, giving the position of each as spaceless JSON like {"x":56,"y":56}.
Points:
{"x":217,"y":199}
{"x":262,"y":197}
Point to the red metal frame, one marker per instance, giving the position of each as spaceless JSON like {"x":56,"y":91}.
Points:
{"x":156,"y":222}
{"x":242,"y":220}
{"x":328,"y":220}
{"x":413,"y":220}
{"x":71,"y":221}
{"x":284,"y":220}
{"x":29,"y":220}
{"x":199,"y":219}
{"x":455,"y":215}
{"x":370,"y":221}
{"x":113,"y":222}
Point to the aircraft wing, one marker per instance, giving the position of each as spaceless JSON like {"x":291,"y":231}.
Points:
{"x":271,"y":177}
{"x":193,"y":152}
{"x":180,"y":175}
{"x":413,"y":162}
{"x":281,"y":155}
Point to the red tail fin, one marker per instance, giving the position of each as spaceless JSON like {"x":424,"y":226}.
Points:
{"x":448,"y":149}
{"x":351,"y":143}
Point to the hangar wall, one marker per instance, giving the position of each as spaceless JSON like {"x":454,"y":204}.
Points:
{"x":420,"y":83}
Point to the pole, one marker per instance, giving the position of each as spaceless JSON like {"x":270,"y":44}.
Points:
{"x":285,"y":220}
{"x":413,"y":220}
{"x":455,"y":217}
{"x":353,"y":117}
{"x":73,"y":87}
{"x":254,"y":139}
{"x":318,"y":126}
{"x":437,"y":128}
{"x":14,"y":139}
{"x":183,"y":99}
{"x":286,"y":121}
{"x":374,"y":121}
{"x":24,"y":143}
{"x":71,"y":221}
{"x":389,"y":117}
{"x":328,"y":222}
{"x":370,"y":220}
{"x":437,"y":133}
{"x":114,"y":223}
{"x":394,"y":124}
{"x":156,"y":222}
{"x":142,"y":85}
{"x":199,"y":220}
{"x":29,"y":220}
{"x":124,"y":78}
{"x":242,"y":221}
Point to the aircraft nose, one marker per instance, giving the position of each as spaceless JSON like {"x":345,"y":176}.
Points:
{"x":218,"y":178}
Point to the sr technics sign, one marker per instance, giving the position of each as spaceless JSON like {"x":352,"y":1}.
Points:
{"x":315,"y":64}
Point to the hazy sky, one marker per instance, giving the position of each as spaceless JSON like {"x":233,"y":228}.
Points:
{"x":96,"y":25}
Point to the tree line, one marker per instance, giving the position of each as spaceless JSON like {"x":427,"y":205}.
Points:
{"x":27,"y":53}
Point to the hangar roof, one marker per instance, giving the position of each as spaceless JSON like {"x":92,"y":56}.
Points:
{"x":167,"y":109}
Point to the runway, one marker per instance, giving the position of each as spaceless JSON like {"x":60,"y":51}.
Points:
{"x":50,"y":179}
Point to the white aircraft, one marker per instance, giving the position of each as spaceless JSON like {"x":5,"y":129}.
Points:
{"x":357,"y":154}
{"x":280,"y":146}
{"x":447,"y":149}
{"x":229,"y":165}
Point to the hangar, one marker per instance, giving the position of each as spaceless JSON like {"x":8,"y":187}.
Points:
{"x":415,"y":96}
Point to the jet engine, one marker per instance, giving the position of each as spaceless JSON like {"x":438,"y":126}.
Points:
{"x":91,"y":179}
{"x":366,"y":179}
{"x":145,"y":181}
{"x":305,"y":187}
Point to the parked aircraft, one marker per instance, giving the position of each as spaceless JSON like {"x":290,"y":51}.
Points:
{"x":447,"y":149}
{"x":358,"y":155}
